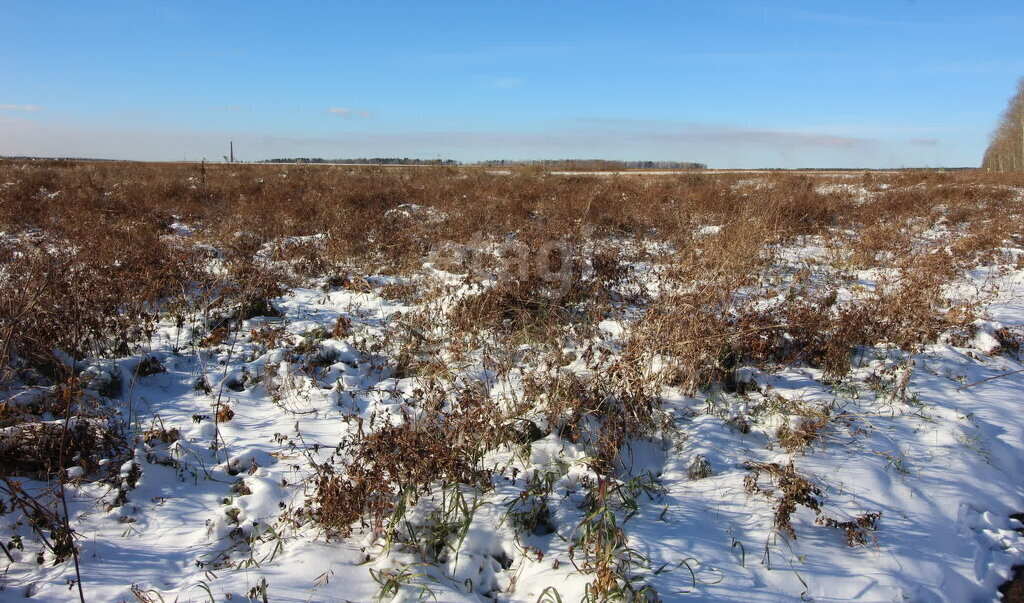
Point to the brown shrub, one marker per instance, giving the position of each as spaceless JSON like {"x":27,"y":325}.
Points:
{"x":792,"y":490}
{"x":399,"y":462}
{"x":33,"y":447}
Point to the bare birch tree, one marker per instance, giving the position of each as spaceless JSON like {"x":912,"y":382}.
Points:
{"x":1005,"y":152}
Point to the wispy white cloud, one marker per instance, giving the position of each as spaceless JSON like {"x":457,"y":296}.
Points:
{"x":346,"y":112}
{"x":11,"y":107}
{"x":672,"y":131}
{"x":924,"y":142}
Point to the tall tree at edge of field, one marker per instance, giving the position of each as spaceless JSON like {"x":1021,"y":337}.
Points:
{"x":1005,"y":152}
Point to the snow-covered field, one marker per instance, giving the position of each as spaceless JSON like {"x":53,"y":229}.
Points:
{"x":893,"y":482}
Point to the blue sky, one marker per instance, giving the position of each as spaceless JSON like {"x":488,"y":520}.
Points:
{"x":732,"y":84}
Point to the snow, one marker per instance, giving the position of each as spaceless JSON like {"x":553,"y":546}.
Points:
{"x":413,"y":211}
{"x":941,"y":460}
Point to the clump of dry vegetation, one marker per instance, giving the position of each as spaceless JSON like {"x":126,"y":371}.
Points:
{"x":788,"y":489}
{"x":393,"y":465}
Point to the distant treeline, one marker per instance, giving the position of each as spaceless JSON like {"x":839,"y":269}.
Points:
{"x":557,"y":164}
{"x":54,"y":159}
{"x":598,"y":164}
{"x":363,"y":161}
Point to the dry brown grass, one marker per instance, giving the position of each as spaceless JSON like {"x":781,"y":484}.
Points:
{"x":395,"y":464}
{"x":92,"y":256}
{"x":789,"y":489}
